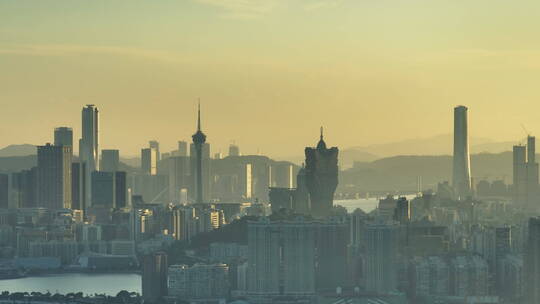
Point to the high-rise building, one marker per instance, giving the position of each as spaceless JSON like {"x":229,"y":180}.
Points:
{"x":78,"y":180}
{"x":4,"y":191}
{"x":469,"y":276}
{"x":247,"y":181}
{"x":154,"y":144}
{"x":54,"y":176}
{"x":109,"y":189}
{"x":532,"y":174}
{"x":461,"y":168}
{"x":89,"y":149}
{"x":234,"y":150}
{"x":281,"y":198}
{"x":302,"y":204}
{"x":381,"y":257}
{"x":429,"y":276}
{"x":182,"y":148}
{"x":154,"y":276}
{"x":149,"y":161}
{"x":387,"y":207}
{"x":200,"y":281}
{"x":24,"y":188}
{"x":110,"y":160}
{"x":63,"y":136}
{"x":281,"y":259}
{"x":321,"y":177}
{"x":331,"y":240}
{"x":525,"y":175}
{"x":511,"y":272}
{"x":179,"y":172}
{"x":283,"y":175}
{"x":532,"y":262}
{"x":182,"y":222}
{"x":202,"y":150}
{"x":503,"y":247}
{"x":402,"y":213}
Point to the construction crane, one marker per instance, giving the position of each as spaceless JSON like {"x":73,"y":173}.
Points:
{"x":526,"y":132}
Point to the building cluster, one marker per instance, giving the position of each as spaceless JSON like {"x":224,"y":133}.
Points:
{"x":286,"y":240}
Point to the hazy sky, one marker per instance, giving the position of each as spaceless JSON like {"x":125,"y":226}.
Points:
{"x":268,"y":72}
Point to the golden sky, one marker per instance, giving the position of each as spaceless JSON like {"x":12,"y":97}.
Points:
{"x":268,"y":72}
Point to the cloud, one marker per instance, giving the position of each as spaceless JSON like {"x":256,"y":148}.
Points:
{"x":484,"y":58}
{"x":243,"y":9}
{"x":250,"y":9}
{"x":322,"y":4}
{"x":73,"y":49}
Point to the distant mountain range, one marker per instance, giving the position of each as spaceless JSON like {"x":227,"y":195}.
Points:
{"x":435,"y":145}
{"x":18,"y":150}
{"x":401,"y":173}
{"x":15,"y":158}
{"x":389,"y":174}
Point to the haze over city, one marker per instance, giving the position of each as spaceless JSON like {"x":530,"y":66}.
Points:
{"x":269,"y":152}
{"x":371,"y":72}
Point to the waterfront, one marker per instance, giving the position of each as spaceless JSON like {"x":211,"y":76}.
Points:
{"x":111,"y":284}
{"x":366,"y":204}
{"x":88,"y":284}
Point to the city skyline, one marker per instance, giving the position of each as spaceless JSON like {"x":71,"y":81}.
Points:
{"x":437,"y":147}
{"x":151,"y":152}
{"x":365,"y":60}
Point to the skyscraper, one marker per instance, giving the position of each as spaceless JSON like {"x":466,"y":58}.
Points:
{"x":110,"y":160}
{"x":525,"y":175}
{"x":63,"y":136}
{"x":24,"y":188}
{"x":281,"y":258}
{"x":149,"y":161}
{"x":461,"y":168}
{"x":331,"y":241}
{"x":532,"y":263}
{"x":4,"y":186}
{"x":182,"y":148}
{"x":301,"y":195}
{"x":154,"y":276}
{"x":109,"y":189}
{"x":199,"y":139}
{"x":532,"y":174}
{"x":402,"y":213}
{"x":178,"y":177}
{"x":321,"y":177}
{"x":78,"y":180}
{"x":381,"y":255}
{"x":54,"y":176}
{"x":89,"y":149}
{"x":283,"y":175}
{"x":519,"y":175}
{"x":155,"y":145}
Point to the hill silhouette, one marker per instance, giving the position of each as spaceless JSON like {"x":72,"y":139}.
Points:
{"x":400,"y":173}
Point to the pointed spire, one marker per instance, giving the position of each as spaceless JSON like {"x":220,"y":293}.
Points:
{"x":321,"y":145}
{"x":199,"y":116}
{"x":199,"y":136}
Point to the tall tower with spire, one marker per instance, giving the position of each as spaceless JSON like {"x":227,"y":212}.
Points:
{"x":199,"y":139}
{"x":321,"y":176}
